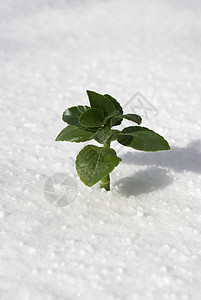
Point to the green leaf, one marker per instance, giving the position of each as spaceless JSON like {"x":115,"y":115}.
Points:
{"x":73,"y":133}
{"x":116,"y":120}
{"x":133,"y":117}
{"x":142,"y":138}
{"x":71,"y":115}
{"x":102,"y":135}
{"x":112,"y":114}
{"x":115,"y":103}
{"x":100,"y":102}
{"x":94,"y":163}
{"x":92,"y":117}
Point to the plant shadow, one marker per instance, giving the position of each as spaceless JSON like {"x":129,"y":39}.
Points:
{"x":178,"y":159}
{"x":144,"y":181}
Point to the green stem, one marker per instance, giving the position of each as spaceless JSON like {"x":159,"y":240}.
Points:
{"x":107,"y":144}
{"x":105,"y":181}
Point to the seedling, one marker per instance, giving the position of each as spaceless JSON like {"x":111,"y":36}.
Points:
{"x":94,"y":164}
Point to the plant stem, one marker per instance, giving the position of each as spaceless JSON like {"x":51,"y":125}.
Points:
{"x":107,"y":144}
{"x":105,"y":181}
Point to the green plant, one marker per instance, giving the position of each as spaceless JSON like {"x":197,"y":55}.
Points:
{"x":94,"y":164}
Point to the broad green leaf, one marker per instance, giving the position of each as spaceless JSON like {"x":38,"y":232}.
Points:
{"x":133,"y":117}
{"x":73,"y":133}
{"x":115,"y":103}
{"x":100,"y":102}
{"x":142,"y":138}
{"x":71,"y":115}
{"x":92,"y":117}
{"x":94,"y":163}
{"x":102,"y":135}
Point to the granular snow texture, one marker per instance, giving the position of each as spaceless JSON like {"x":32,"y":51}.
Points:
{"x":141,"y":240}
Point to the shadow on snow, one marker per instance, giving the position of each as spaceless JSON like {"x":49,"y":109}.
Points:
{"x":154,"y":178}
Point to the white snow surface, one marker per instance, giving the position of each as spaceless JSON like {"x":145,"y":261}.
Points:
{"x":142,"y":239}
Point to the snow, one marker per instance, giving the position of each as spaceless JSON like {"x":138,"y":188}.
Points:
{"x":141,"y":240}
